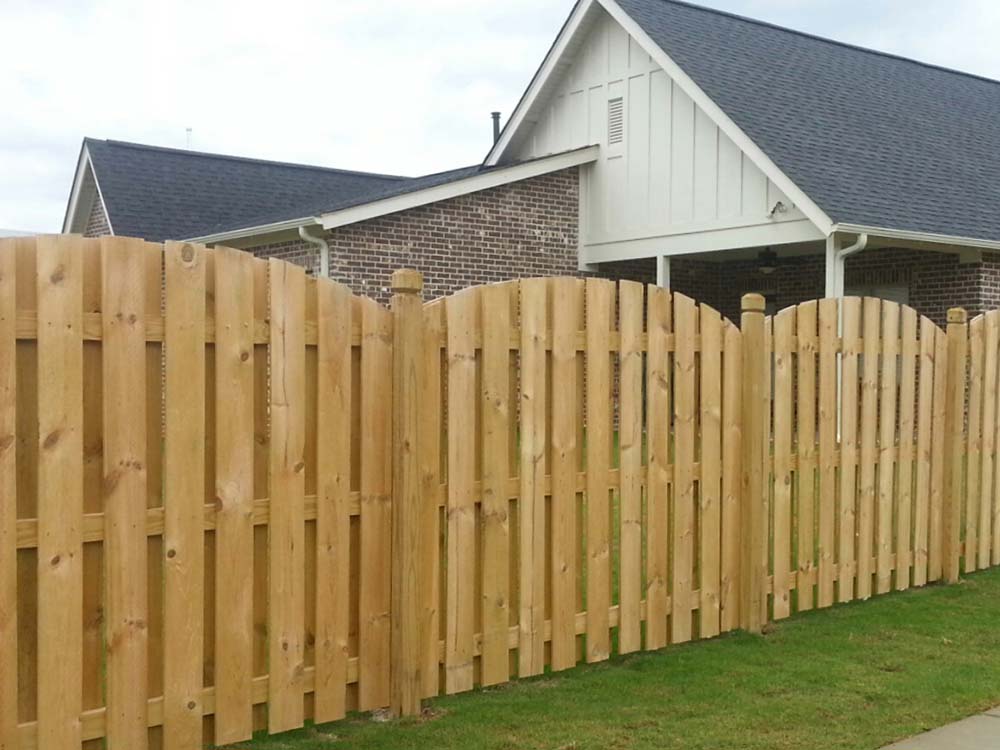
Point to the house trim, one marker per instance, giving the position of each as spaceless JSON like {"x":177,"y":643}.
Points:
{"x":84,"y":163}
{"x":255,"y":231}
{"x":475,"y":183}
{"x":689,"y":243}
{"x":923,"y":237}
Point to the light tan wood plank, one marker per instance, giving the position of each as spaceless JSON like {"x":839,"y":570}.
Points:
{"x":531,"y":509}
{"x":784,"y":329}
{"x":659,"y":318}
{"x":828,"y":313}
{"x":124,"y":345}
{"x":732,"y":420}
{"x":806,"y":448}
{"x":461,"y":316}
{"x":600,"y":296}
{"x":564,"y":466}
{"x":60,"y":501}
{"x":376,"y":513}
{"x":904,"y":486}
{"x":869,"y":449}
{"x":888,"y":385}
{"x":184,"y":483}
{"x":847,"y":517}
{"x":974,"y":443}
{"x":938,"y":448}
{"x":8,"y":495}
{"x":286,"y":529}
{"x":496,"y":413}
{"x":682,"y":570}
{"x":630,"y":464}
{"x":333,"y":523}
{"x":234,"y":413}
{"x":989,"y":550}
{"x":925,"y":406}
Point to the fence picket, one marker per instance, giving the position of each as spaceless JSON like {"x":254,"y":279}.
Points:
{"x":495,"y":430}
{"x":564,"y":466}
{"x":869,"y":456}
{"x":732,"y":393}
{"x":990,"y":497}
{"x":600,"y":295}
{"x":376,"y":514}
{"x":531,"y":508}
{"x":184,"y":501}
{"x":828,"y":313}
{"x":887,"y":445}
{"x":60,"y":492}
{"x":286,"y":524}
{"x":234,"y":484}
{"x":806,"y":448}
{"x":974,"y":443}
{"x":939,"y":410}
{"x":709,"y":482}
{"x":630,"y":464}
{"x":784,"y":330}
{"x":851,"y":317}
{"x":124,"y":344}
{"x":658,"y":371}
{"x":925,"y":406}
{"x":8,"y":495}
{"x":333,"y":522}
{"x":904,"y":486}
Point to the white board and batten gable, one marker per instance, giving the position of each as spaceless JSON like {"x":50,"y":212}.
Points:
{"x":668,"y":181}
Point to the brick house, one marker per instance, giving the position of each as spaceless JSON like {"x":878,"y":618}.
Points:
{"x":658,"y":141}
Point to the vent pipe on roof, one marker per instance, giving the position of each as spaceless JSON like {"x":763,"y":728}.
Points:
{"x":496,"y":126}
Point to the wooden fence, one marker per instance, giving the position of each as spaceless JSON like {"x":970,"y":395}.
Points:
{"x":233,"y":497}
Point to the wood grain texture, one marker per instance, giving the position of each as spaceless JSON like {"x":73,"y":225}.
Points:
{"x":904,"y":485}
{"x":847,"y":517}
{"x":974,"y":444}
{"x":732,"y":421}
{"x":8,"y":495}
{"x":922,"y":497}
{"x":784,"y":330}
{"x":869,"y":449}
{"x":828,"y":312}
{"x":682,"y":569}
{"x":888,"y":392}
{"x":806,"y":448}
{"x":184,"y":488}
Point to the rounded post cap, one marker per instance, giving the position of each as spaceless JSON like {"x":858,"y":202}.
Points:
{"x":407,"y":281}
{"x":958,"y":315}
{"x":753,"y":303}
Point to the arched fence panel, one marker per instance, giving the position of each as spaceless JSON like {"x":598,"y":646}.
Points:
{"x":237,"y":498}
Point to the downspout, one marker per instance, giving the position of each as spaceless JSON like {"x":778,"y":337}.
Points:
{"x":324,"y":250}
{"x":860,"y":244}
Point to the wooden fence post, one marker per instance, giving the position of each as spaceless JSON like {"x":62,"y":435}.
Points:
{"x":954,"y":427}
{"x":407,"y":500}
{"x":753,"y":536}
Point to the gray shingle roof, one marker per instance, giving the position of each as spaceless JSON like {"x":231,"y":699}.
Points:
{"x":873,"y":139}
{"x":159,"y":193}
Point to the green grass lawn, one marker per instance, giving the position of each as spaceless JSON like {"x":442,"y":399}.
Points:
{"x":855,"y":676}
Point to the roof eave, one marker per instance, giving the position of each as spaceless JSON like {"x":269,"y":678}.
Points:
{"x":915,"y":236}
{"x":472,"y":184}
{"x":254,"y":231}
{"x":83,"y":162}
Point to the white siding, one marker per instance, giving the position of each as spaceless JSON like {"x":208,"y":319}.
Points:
{"x":675,"y":172}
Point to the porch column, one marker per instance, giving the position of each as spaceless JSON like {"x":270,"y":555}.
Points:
{"x":663,"y":271}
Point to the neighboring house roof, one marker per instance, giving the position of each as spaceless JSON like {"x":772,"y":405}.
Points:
{"x":874,"y":139}
{"x":160,"y":193}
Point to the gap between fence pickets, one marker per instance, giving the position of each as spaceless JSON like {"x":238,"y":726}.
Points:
{"x":394,"y":671}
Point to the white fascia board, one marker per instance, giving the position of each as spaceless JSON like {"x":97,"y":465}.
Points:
{"x":928,"y":237}
{"x":725,"y":123}
{"x":716,"y":240}
{"x":475,"y":183}
{"x":542,"y":75}
{"x":83,"y":164}
{"x":261,"y":229}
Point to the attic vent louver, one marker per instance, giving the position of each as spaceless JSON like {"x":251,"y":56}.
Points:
{"x":616,"y":120}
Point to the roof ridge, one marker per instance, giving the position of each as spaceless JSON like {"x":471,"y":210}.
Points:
{"x":247,"y":159}
{"x":828,"y":40}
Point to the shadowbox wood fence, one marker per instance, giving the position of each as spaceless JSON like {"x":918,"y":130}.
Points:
{"x":236,"y":498}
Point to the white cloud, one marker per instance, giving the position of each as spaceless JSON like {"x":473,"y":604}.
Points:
{"x":395,"y":86}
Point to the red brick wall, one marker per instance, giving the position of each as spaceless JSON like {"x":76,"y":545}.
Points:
{"x":523,"y":229}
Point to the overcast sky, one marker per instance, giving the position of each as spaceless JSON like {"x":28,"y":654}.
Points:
{"x":396,"y":86}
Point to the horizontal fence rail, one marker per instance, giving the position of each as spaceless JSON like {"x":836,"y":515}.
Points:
{"x":234,"y":497}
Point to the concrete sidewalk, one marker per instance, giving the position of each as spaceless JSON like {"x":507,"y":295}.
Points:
{"x":980,"y":732}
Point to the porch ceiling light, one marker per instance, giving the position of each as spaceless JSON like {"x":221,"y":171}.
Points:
{"x":767,"y":261}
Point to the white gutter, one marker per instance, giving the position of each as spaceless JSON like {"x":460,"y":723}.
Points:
{"x":911,"y":236}
{"x":236,"y":234}
{"x":324,"y":250}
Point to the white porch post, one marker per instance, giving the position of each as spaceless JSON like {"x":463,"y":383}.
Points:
{"x":663,"y":271}
{"x":834,"y":268}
